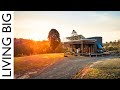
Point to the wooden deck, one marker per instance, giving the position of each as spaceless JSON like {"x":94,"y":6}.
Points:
{"x":89,"y":54}
{"x":96,"y":54}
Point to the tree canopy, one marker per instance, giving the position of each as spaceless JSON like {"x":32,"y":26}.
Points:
{"x":54,"y":38}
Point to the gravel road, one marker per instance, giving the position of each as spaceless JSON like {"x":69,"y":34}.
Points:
{"x":68,"y":67}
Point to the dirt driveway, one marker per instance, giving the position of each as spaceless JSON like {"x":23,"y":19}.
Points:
{"x":65,"y":69}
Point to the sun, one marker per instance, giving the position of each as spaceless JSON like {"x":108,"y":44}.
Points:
{"x":34,"y":36}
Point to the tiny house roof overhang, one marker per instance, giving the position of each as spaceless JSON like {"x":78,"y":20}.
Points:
{"x":81,"y":41}
{"x":78,"y":37}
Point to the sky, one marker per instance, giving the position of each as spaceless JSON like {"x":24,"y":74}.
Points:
{"x":37,"y":24}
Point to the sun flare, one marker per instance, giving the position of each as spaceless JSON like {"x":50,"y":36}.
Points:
{"x":34,"y":36}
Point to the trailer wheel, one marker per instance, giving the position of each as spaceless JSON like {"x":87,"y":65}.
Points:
{"x":65,"y":55}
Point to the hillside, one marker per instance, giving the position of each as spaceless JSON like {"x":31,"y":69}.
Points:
{"x":29,"y":65}
{"x":107,"y":69}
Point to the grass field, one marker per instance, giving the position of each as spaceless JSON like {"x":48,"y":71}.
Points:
{"x":29,"y":65}
{"x":109,"y":69}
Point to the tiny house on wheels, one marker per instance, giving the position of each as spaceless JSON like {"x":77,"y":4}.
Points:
{"x":79,"y":45}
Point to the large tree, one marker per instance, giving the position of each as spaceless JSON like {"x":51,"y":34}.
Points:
{"x":54,"y":38}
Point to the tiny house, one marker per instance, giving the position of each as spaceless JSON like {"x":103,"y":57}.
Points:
{"x":78,"y":44}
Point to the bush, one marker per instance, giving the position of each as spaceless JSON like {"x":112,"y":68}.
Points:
{"x":110,"y":48}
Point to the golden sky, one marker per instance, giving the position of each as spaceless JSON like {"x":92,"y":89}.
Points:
{"x":37,"y":24}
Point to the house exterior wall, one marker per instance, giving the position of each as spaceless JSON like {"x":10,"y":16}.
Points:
{"x":99,"y":40}
{"x":83,"y":47}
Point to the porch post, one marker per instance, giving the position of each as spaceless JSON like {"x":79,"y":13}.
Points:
{"x":82,"y":47}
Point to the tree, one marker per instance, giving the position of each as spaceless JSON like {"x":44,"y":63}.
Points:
{"x":54,"y":39}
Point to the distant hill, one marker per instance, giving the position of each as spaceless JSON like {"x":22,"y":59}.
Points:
{"x":23,"y":47}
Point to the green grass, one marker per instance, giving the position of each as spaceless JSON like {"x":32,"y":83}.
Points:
{"x":109,"y":69}
{"x":28,"y":65}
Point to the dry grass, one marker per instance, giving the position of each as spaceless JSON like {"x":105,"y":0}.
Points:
{"x":29,"y":65}
{"x":109,"y":69}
